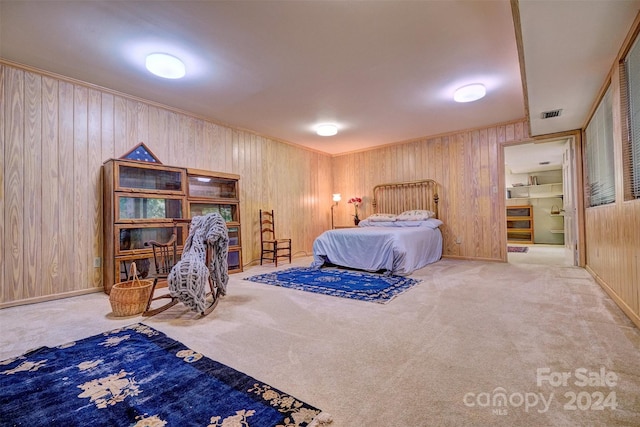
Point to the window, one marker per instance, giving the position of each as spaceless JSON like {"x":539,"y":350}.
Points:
{"x":630,"y":106}
{"x":599,"y":154}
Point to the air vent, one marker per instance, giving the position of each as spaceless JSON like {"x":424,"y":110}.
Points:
{"x":550,"y":114}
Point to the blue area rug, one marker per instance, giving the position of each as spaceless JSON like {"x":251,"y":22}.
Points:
{"x":137,"y":376}
{"x":339,"y":283}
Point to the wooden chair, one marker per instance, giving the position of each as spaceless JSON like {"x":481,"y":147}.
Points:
{"x":272,"y":248}
{"x":165,"y":257}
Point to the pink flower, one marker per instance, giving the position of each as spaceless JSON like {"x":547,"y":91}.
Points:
{"x":356,"y":201}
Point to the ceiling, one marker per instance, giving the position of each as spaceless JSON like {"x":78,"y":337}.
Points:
{"x":535,"y":156}
{"x":383,"y":71}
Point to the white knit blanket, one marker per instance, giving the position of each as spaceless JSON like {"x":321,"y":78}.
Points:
{"x":189,"y":277}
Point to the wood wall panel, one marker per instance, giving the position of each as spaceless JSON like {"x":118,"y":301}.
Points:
{"x":66,"y":186}
{"x":50,"y":183}
{"x":466,"y":164}
{"x":14,"y":184}
{"x":33,"y":182}
{"x":57,"y":132}
{"x":81,"y":214}
{"x":613,"y":252}
{"x":3,"y":112}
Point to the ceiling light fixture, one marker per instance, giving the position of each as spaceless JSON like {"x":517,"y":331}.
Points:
{"x":470,"y":93}
{"x":326,"y":129}
{"x":165,"y":65}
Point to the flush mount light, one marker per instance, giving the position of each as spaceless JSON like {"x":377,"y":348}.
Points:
{"x":326,"y":129}
{"x":165,"y":65}
{"x":470,"y":93}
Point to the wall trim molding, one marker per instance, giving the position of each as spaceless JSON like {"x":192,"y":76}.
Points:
{"x":51,"y":297}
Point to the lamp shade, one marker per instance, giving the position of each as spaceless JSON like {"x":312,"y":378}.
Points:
{"x":337,"y":197}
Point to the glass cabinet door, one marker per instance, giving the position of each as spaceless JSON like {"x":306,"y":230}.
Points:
{"x":234,"y":236}
{"x":131,"y":238}
{"x":234,"y":261}
{"x":206,"y":187}
{"x":518,"y":211}
{"x":228,"y":211}
{"x":134,"y":207}
{"x":519,"y":224}
{"x":145,"y":178}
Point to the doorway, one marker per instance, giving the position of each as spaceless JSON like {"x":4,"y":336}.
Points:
{"x":540,"y":194}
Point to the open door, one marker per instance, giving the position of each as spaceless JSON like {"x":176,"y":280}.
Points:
{"x":569,"y":202}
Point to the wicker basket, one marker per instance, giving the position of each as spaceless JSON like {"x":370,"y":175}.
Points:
{"x":130,"y":298}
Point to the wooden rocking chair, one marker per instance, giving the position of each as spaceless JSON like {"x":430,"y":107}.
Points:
{"x":165,"y":257}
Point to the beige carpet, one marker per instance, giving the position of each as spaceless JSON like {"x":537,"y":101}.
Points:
{"x":435,"y":355}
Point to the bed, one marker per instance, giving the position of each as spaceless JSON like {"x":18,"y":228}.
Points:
{"x":402,"y":235}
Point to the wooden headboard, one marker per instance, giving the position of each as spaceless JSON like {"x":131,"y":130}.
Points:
{"x":398,"y":197}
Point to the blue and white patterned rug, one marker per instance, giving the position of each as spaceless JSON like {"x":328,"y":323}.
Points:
{"x":137,"y":376}
{"x":340,"y":283}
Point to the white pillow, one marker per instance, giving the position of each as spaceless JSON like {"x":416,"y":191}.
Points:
{"x":432,"y":223}
{"x":415,"y":215}
{"x":382,"y":217}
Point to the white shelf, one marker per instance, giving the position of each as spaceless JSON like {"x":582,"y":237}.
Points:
{"x":541,"y":191}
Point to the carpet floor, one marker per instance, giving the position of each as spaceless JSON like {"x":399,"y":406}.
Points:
{"x":475,"y":344}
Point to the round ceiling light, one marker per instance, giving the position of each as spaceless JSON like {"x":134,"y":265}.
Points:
{"x":165,"y":65}
{"x":326,"y":129}
{"x":470,"y":93}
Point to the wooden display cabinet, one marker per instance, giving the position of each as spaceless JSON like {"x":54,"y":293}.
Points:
{"x":142,"y":197}
{"x":140,"y":202}
{"x":209,"y":192}
{"x":520,"y":224}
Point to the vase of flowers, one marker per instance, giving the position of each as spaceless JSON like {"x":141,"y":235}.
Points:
{"x":356,"y":202}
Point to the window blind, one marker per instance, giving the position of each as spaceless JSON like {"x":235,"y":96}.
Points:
{"x":630,"y":100}
{"x":599,"y":154}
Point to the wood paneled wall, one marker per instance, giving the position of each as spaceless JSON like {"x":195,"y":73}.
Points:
{"x":612,"y":232}
{"x":613,"y":253}
{"x":55,"y":133}
{"x":467,"y":164}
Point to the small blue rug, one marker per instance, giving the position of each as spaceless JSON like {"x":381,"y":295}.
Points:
{"x":339,"y":283}
{"x":137,"y":376}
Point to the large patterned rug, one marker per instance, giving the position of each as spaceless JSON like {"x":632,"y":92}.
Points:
{"x":137,"y":376}
{"x":340,"y":283}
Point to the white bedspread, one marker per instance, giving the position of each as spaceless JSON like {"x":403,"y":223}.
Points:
{"x":397,"y":250}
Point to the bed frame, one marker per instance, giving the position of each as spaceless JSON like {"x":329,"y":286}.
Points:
{"x":398,"y":197}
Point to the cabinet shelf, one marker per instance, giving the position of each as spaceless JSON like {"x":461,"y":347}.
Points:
{"x":520,"y":224}
{"x":540,"y":191}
